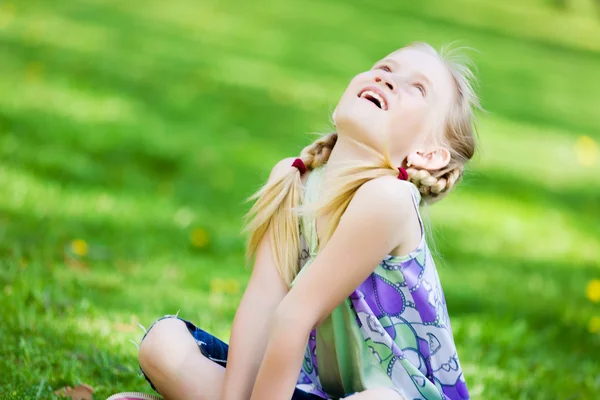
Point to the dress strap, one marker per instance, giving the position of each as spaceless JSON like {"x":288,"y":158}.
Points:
{"x":416,"y":196}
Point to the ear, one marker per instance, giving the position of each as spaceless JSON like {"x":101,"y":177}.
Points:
{"x":432,"y":159}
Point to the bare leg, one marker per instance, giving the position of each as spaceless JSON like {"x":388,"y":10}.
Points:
{"x":171,"y":359}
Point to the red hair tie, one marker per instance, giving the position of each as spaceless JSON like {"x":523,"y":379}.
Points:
{"x":298,"y":163}
{"x":402,"y":175}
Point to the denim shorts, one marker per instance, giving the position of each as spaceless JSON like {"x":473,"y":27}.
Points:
{"x":216,"y":351}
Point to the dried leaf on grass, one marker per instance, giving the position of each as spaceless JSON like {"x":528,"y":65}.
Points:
{"x":79,"y":392}
{"x":127,"y":328}
{"x":75,"y":263}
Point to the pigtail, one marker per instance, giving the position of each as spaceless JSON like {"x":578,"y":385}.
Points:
{"x":276,"y":207}
{"x":434,"y":186}
{"x":272,"y":208}
{"x":342,"y":187}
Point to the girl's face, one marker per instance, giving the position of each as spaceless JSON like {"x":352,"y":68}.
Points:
{"x":401,"y":103}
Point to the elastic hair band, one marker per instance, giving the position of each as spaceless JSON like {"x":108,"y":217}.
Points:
{"x":402,"y":175}
{"x":298,"y":163}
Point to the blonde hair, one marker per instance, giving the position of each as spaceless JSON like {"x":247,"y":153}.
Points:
{"x":459,"y":135}
{"x":278,"y":205}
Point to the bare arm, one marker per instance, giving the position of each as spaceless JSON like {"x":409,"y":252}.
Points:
{"x":373,"y":224}
{"x":249,"y":333}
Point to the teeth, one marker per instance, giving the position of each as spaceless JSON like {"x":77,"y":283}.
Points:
{"x":375,"y":96}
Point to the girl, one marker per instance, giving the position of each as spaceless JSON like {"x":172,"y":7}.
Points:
{"x":344,"y":298}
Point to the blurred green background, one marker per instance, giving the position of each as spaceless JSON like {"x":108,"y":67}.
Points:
{"x":132,"y":131}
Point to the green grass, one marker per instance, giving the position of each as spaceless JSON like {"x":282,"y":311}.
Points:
{"x":131,"y":124}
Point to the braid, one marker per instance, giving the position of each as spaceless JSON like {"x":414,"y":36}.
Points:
{"x":275,"y":210}
{"x":437,"y":185}
{"x":317,"y":153}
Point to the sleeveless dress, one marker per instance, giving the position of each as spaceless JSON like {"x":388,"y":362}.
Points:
{"x":392,"y":331}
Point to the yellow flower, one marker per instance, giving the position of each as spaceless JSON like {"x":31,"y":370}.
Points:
{"x":587,"y":151}
{"x":593,"y":290}
{"x":594,"y":326}
{"x":79,"y":247}
{"x":216,"y":285}
{"x":231,"y":286}
{"x":199,"y":237}
{"x":220,"y":285}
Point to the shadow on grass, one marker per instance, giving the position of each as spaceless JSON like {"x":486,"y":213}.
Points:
{"x":176,"y":144}
{"x":106,"y":67}
{"x":583,"y":205}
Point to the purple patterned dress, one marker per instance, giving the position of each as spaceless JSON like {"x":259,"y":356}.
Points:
{"x":393,"y":331}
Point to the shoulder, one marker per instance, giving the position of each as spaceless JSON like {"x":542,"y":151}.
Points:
{"x":386,"y":199}
{"x":281,"y":168}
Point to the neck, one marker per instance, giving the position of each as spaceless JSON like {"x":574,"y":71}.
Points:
{"x":348,"y":151}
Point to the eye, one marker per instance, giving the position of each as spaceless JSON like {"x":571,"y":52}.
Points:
{"x":421,"y":89}
{"x":385,"y":68}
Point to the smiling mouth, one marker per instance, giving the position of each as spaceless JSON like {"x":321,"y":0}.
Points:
{"x":374,"y":98}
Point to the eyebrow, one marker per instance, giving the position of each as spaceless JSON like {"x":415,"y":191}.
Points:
{"x":424,"y":79}
{"x":419,"y":75}
{"x":388,"y":61}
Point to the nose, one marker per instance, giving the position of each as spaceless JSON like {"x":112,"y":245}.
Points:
{"x":386,"y":81}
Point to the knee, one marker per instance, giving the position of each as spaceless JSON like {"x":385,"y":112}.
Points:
{"x":164,"y":345}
